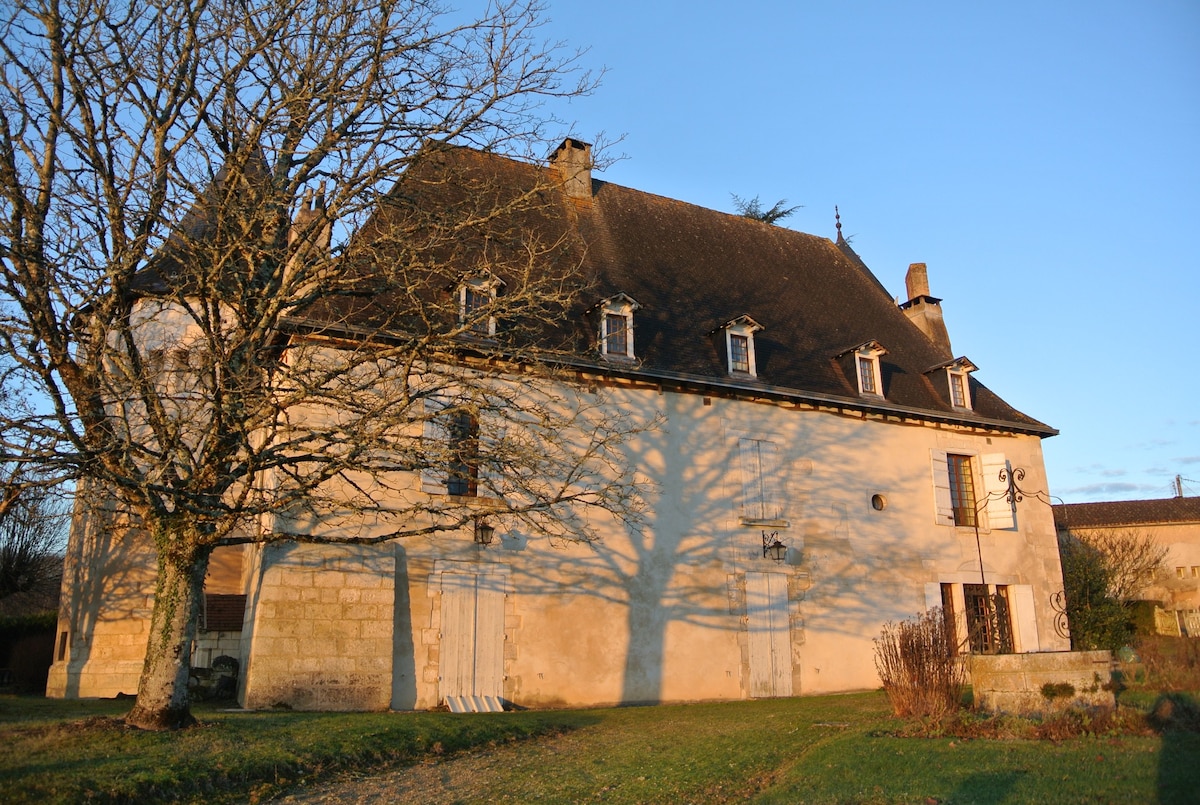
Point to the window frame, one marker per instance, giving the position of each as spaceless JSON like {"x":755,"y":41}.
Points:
{"x":960,"y":389}
{"x":620,"y":306}
{"x":487,"y":287}
{"x":963,"y":498}
{"x":742,"y":328}
{"x":866,"y":368}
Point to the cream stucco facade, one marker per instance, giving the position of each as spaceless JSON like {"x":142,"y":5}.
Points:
{"x":685,"y":608}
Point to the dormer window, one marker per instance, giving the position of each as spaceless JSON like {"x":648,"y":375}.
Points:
{"x":959,"y":382}
{"x":866,"y":367}
{"x":476,"y":298}
{"x":616,"y":326}
{"x":739,"y":346}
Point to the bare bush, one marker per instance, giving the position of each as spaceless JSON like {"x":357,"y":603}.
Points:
{"x":1170,"y":663}
{"x":919,"y":666}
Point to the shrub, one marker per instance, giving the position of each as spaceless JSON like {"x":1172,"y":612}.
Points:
{"x":919,"y":666}
{"x":1170,"y":663}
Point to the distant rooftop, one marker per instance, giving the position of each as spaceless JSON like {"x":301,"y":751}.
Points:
{"x":1127,"y":512}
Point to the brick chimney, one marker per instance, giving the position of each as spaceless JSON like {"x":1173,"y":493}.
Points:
{"x":924,"y":310}
{"x":573,"y":159}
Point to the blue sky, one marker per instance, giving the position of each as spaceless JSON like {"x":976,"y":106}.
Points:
{"x":1042,"y":158}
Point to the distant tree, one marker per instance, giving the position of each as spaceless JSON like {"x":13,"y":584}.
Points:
{"x":1131,"y":557}
{"x":1103,"y":573}
{"x":32,"y":537}
{"x":752,"y":209}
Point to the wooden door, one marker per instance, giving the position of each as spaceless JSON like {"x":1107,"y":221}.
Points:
{"x":769,"y":635}
{"x":472,"y":637}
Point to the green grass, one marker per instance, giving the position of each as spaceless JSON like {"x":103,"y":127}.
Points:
{"x":819,"y":749}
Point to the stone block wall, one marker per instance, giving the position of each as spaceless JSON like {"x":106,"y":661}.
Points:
{"x":321,"y":637}
{"x":1013,"y":683}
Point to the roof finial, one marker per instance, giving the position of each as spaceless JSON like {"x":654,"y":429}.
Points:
{"x":837,"y":216}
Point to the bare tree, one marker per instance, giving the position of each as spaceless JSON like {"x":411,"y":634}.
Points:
{"x":239,"y":329}
{"x":1131,"y":558}
{"x":32,"y":538}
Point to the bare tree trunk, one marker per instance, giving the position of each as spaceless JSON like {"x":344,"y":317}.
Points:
{"x":163,"y":700}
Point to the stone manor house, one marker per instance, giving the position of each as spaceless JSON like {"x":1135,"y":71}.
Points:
{"x":821,"y":463}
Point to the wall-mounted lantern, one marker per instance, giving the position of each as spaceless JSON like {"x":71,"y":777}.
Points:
{"x":773,"y":547}
{"x":484,"y":533}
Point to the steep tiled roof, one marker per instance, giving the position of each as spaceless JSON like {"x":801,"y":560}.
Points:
{"x":693,"y":269}
{"x":1127,"y":513}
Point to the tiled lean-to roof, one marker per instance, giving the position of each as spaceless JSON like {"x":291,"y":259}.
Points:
{"x":693,"y":269}
{"x":1159,"y":511}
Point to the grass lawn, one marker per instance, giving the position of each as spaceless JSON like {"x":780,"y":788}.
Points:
{"x":819,"y":749}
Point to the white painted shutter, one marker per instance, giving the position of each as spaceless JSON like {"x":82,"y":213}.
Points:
{"x":489,"y":637}
{"x":781,"y":635}
{"x":943,"y":505}
{"x":758,"y":633}
{"x":457,"y":645}
{"x":1024,"y":617}
{"x":933,"y":595}
{"x":772,"y":480}
{"x":752,"y":489}
{"x":768,"y":635}
{"x":762,"y":487}
{"x":435,"y":441}
{"x":1001,"y":512}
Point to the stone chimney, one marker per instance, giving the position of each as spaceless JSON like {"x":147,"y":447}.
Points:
{"x":573,"y":159}
{"x":311,"y":226}
{"x":310,"y":222}
{"x":924,"y":310}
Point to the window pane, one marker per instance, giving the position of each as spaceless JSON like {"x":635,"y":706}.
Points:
{"x":463,"y":475}
{"x":866,"y":373}
{"x":615,"y":335}
{"x":958,"y":396}
{"x":474,"y":301}
{"x":962,"y":489}
{"x":739,"y":353}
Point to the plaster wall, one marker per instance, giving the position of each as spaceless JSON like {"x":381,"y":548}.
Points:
{"x":658,"y":612}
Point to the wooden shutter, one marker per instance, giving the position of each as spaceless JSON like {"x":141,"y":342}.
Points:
{"x":1001,"y":512}
{"x":943,"y":505}
{"x":933,"y":595}
{"x":1024,"y":617}
{"x":435,"y":441}
{"x":457,"y":645}
{"x":762,"y":480}
{"x":489,"y":637}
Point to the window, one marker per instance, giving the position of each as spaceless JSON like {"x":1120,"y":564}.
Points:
{"x":450,"y":463}
{"x":462,"y":477}
{"x":864,"y":365}
{"x":739,"y":353}
{"x":866,"y":375}
{"x":476,"y":302}
{"x":1195,"y":571}
{"x":962,"y":489}
{"x":739,"y":345}
{"x":616,"y":326}
{"x":961,"y":499}
{"x":989,"y":622}
{"x":958,"y":390}
{"x":616,"y":334}
{"x":1179,"y":572}
{"x":762,"y":499}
